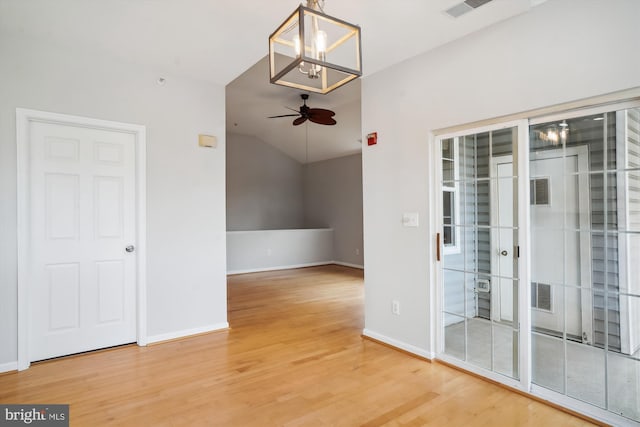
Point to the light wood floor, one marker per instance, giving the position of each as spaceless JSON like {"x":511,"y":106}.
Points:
{"x":294,"y":357}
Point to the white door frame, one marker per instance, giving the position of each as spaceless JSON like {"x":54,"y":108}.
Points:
{"x":23,"y":119}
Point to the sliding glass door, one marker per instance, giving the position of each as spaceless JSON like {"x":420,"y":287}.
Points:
{"x":540,"y":257}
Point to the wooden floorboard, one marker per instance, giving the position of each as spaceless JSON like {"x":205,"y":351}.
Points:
{"x":293,"y":357}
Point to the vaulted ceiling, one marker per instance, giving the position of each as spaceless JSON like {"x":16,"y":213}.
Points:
{"x":219,"y":40}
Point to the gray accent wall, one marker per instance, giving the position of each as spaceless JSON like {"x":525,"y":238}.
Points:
{"x":333,"y":199}
{"x":268,"y":190}
{"x":264,"y":186}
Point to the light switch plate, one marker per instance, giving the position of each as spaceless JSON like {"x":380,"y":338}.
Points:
{"x":410,"y":219}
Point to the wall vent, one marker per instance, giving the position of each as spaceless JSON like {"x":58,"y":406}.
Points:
{"x":539,"y":191}
{"x":476,"y":3}
{"x":466,"y":6}
{"x":541,"y":296}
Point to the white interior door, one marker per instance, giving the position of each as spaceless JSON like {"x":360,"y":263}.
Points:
{"x":505,"y":239}
{"x":555,"y":245}
{"x":503,"y":249}
{"x":560,"y":264}
{"x":82,"y":285}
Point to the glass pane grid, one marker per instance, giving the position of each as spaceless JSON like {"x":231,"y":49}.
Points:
{"x":468,"y":304}
{"x":602,"y":367}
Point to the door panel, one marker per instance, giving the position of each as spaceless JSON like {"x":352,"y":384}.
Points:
{"x":472,"y":191}
{"x":556,"y":244}
{"x":82,"y":209}
{"x":63,"y":286}
{"x":503,"y":238}
{"x":62,"y":203}
{"x":111,"y":291}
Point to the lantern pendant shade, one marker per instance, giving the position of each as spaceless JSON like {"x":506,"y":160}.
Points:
{"x":314,"y":52}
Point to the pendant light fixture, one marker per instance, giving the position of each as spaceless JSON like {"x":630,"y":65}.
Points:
{"x":313,"y":51}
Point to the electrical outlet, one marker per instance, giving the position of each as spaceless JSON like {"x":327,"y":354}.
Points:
{"x":269,"y":252}
{"x":395,"y":307}
{"x":357,"y":251}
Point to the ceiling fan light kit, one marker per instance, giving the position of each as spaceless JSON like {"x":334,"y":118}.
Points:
{"x":313,"y":51}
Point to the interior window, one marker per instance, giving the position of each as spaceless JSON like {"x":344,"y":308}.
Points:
{"x":449,"y":198}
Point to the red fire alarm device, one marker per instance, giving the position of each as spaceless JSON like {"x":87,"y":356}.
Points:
{"x":372,"y":138}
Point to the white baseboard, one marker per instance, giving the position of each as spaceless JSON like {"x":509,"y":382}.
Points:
{"x":399,"y":344}
{"x":289,"y":267}
{"x":348,"y":264}
{"x":279,"y":267}
{"x":8,"y":367}
{"x":187,"y":332}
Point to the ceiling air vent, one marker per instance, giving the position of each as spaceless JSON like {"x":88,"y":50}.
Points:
{"x":466,"y":6}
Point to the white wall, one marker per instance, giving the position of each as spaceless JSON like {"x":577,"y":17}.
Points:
{"x":560,"y":51}
{"x":333,"y":198}
{"x":185,"y":183}
{"x":264,"y":186}
{"x":262,"y":250}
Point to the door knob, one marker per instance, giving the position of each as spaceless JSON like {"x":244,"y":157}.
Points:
{"x":504,"y":253}
{"x":130,"y":248}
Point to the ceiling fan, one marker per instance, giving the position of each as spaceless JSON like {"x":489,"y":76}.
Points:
{"x":315,"y":115}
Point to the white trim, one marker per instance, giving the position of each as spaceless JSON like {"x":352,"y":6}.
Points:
{"x":22,"y":178}
{"x":399,"y":344}
{"x":586,"y":111}
{"x":540,"y":114}
{"x":524,"y":262}
{"x":141,"y":230}
{"x":581,"y":407}
{"x":481,"y":129}
{"x":279,"y":267}
{"x":628,"y":344}
{"x":434,"y":211}
{"x":292,"y":266}
{"x":187,"y":332}
{"x":348,"y":264}
{"x":8,"y":367}
{"x":23,"y":119}
{"x":437,"y":225}
{"x":289,"y":230}
{"x":485,"y":373}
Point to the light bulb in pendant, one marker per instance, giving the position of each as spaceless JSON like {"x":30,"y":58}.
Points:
{"x":321,"y":44}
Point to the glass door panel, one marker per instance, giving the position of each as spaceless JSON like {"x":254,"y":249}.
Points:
{"x":585,"y":258}
{"x":480,"y":231}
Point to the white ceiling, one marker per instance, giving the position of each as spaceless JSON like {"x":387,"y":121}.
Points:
{"x":218,"y":40}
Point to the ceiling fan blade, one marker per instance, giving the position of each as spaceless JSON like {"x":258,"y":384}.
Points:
{"x":322,"y":120}
{"x":299,"y":121}
{"x":283,"y":115}
{"x":321,"y":112}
